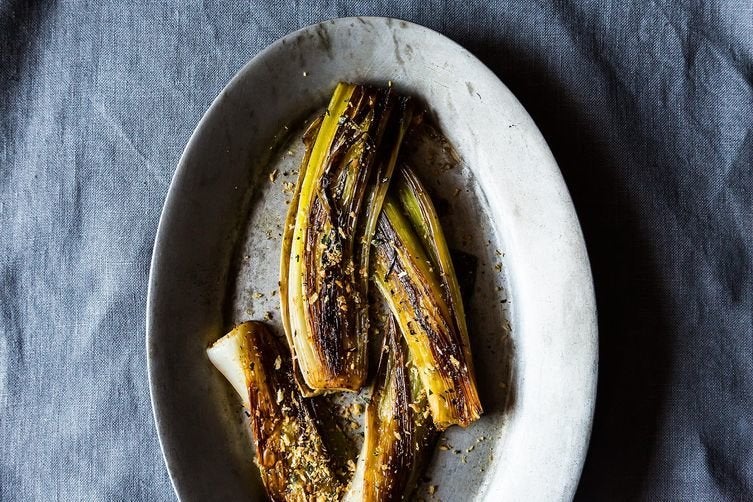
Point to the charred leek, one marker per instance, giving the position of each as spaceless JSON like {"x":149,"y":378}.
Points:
{"x":294,"y":462}
{"x":332,"y":218}
{"x":414,"y":273}
{"x":398,"y":429}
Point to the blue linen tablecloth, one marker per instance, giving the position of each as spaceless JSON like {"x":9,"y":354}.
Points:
{"x":648,"y":108}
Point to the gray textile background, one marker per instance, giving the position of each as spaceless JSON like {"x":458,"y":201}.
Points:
{"x":648,"y":108}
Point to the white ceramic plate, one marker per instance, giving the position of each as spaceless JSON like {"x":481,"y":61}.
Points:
{"x":532,"y":311}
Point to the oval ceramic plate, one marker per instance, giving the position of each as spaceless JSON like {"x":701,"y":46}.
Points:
{"x":531,"y":311}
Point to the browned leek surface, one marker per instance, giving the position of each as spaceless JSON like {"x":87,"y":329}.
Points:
{"x":398,"y":429}
{"x":294,"y":462}
{"x":422,"y":293}
{"x":324,"y":270}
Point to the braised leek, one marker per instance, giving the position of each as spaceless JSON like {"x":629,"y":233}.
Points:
{"x":294,"y":462}
{"x":398,"y":429}
{"x":325,"y":262}
{"x":414,"y":273}
{"x":287,"y":242}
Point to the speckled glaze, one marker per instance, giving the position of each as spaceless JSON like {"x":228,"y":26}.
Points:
{"x":532,"y":312}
